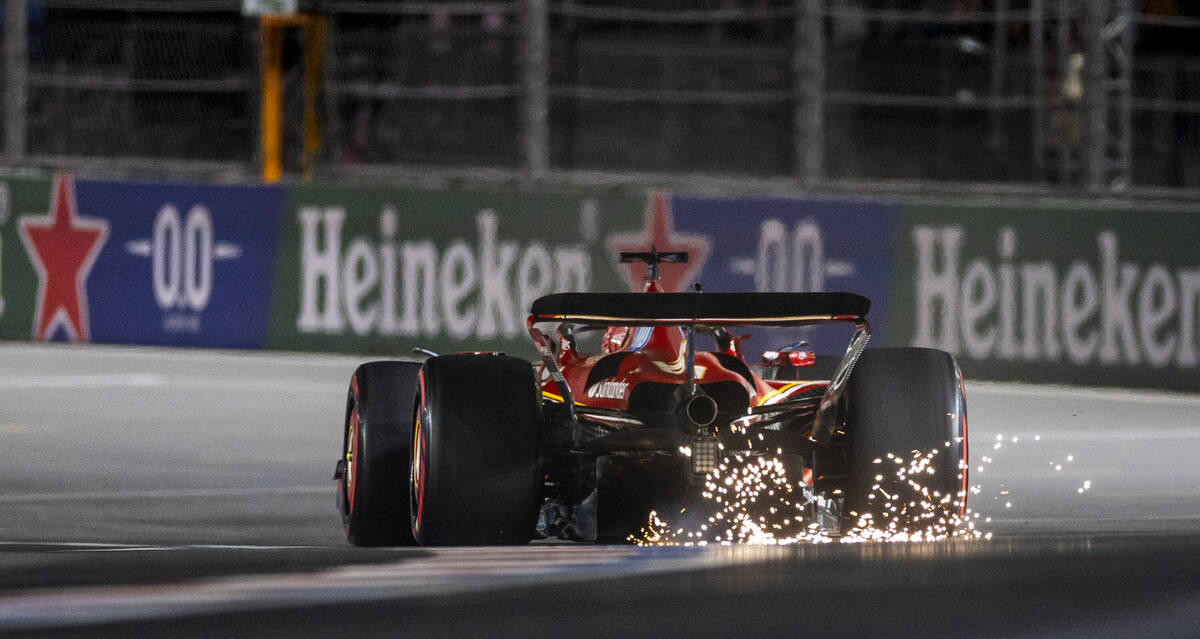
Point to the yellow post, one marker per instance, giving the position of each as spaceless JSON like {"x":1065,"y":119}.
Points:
{"x":271,"y":39}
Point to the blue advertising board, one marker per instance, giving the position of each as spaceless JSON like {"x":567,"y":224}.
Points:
{"x":789,"y":244}
{"x":182,"y":265}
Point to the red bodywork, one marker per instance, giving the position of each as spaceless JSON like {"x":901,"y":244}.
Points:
{"x":656,"y":354}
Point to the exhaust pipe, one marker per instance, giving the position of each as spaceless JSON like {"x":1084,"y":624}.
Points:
{"x":700,"y":410}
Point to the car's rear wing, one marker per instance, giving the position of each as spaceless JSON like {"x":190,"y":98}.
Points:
{"x":714,"y":309}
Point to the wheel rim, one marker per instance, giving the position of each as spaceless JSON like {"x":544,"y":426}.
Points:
{"x":352,"y":455}
{"x":419,"y":459}
{"x":963,"y":459}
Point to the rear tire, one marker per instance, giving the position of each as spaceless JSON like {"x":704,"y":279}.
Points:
{"x":907,"y":402}
{"x":373,"y":492}
{"x":476,"y":471}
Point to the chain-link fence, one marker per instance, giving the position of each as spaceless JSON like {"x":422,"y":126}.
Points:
{"x":170,"y":80}
{"x":424,"y":83}
{"x":1095,"y":95}
{"x":1099,"y":93}
{"x":700,"y":87}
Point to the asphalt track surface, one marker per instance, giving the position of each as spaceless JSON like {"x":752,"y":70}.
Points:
{"x":152,"y":492}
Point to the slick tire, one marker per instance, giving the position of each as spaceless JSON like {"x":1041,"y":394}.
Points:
{"x":373,"y":493}
{"x":475,"y":472}
{"x":907,"y":403}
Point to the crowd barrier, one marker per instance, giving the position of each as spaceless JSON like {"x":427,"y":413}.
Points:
{"x":1045,"y":291}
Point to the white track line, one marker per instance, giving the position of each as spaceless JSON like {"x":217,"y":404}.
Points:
{"x":167,"y":493}
{"x":441,"y":571}
{"x":27,"y":383}
{"x":1127,"y":435}
{"x":1059,"y":393}
{"x":1102,"y":520}
{"x":275,"y":358}
{"x":84,"y":546}
{"x":69,"y":382}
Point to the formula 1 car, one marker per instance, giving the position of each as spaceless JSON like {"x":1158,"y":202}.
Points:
{"x":647,"y":433}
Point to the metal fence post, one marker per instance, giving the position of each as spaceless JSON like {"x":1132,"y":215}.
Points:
{"x":1095,"y":96}
{"x":1037,"y":63}
{"x":809,"y":67}
{"x":1119,"y":52}
{"x":999,"y":68}
{"x":536,"y":106}
{"x":16,"y":53}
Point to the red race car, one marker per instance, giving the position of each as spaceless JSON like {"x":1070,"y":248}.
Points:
{"x":644,"y":421}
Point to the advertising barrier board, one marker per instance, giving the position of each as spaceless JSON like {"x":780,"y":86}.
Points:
{"x":1053,"y":293}
{"x":1064,"y":292}
{"x":128,"y":263}
{"x":792,"y":244}
{"x":387,"y":270}
{"x":18,"y":280}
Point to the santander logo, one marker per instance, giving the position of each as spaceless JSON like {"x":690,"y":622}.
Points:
{"x":608,"y":390}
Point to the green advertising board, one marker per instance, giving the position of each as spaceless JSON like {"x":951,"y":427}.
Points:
{"x":386,"y":270}
{"x":1052,"y":292}
{"x":18,"y":280}
{"x":1036,"y":291}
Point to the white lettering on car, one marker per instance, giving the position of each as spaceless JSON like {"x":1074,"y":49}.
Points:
{"x":608,"y":390}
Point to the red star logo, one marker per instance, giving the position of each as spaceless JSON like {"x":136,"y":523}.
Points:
{"x":63,"y":247}
{"x":660,"y":233}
